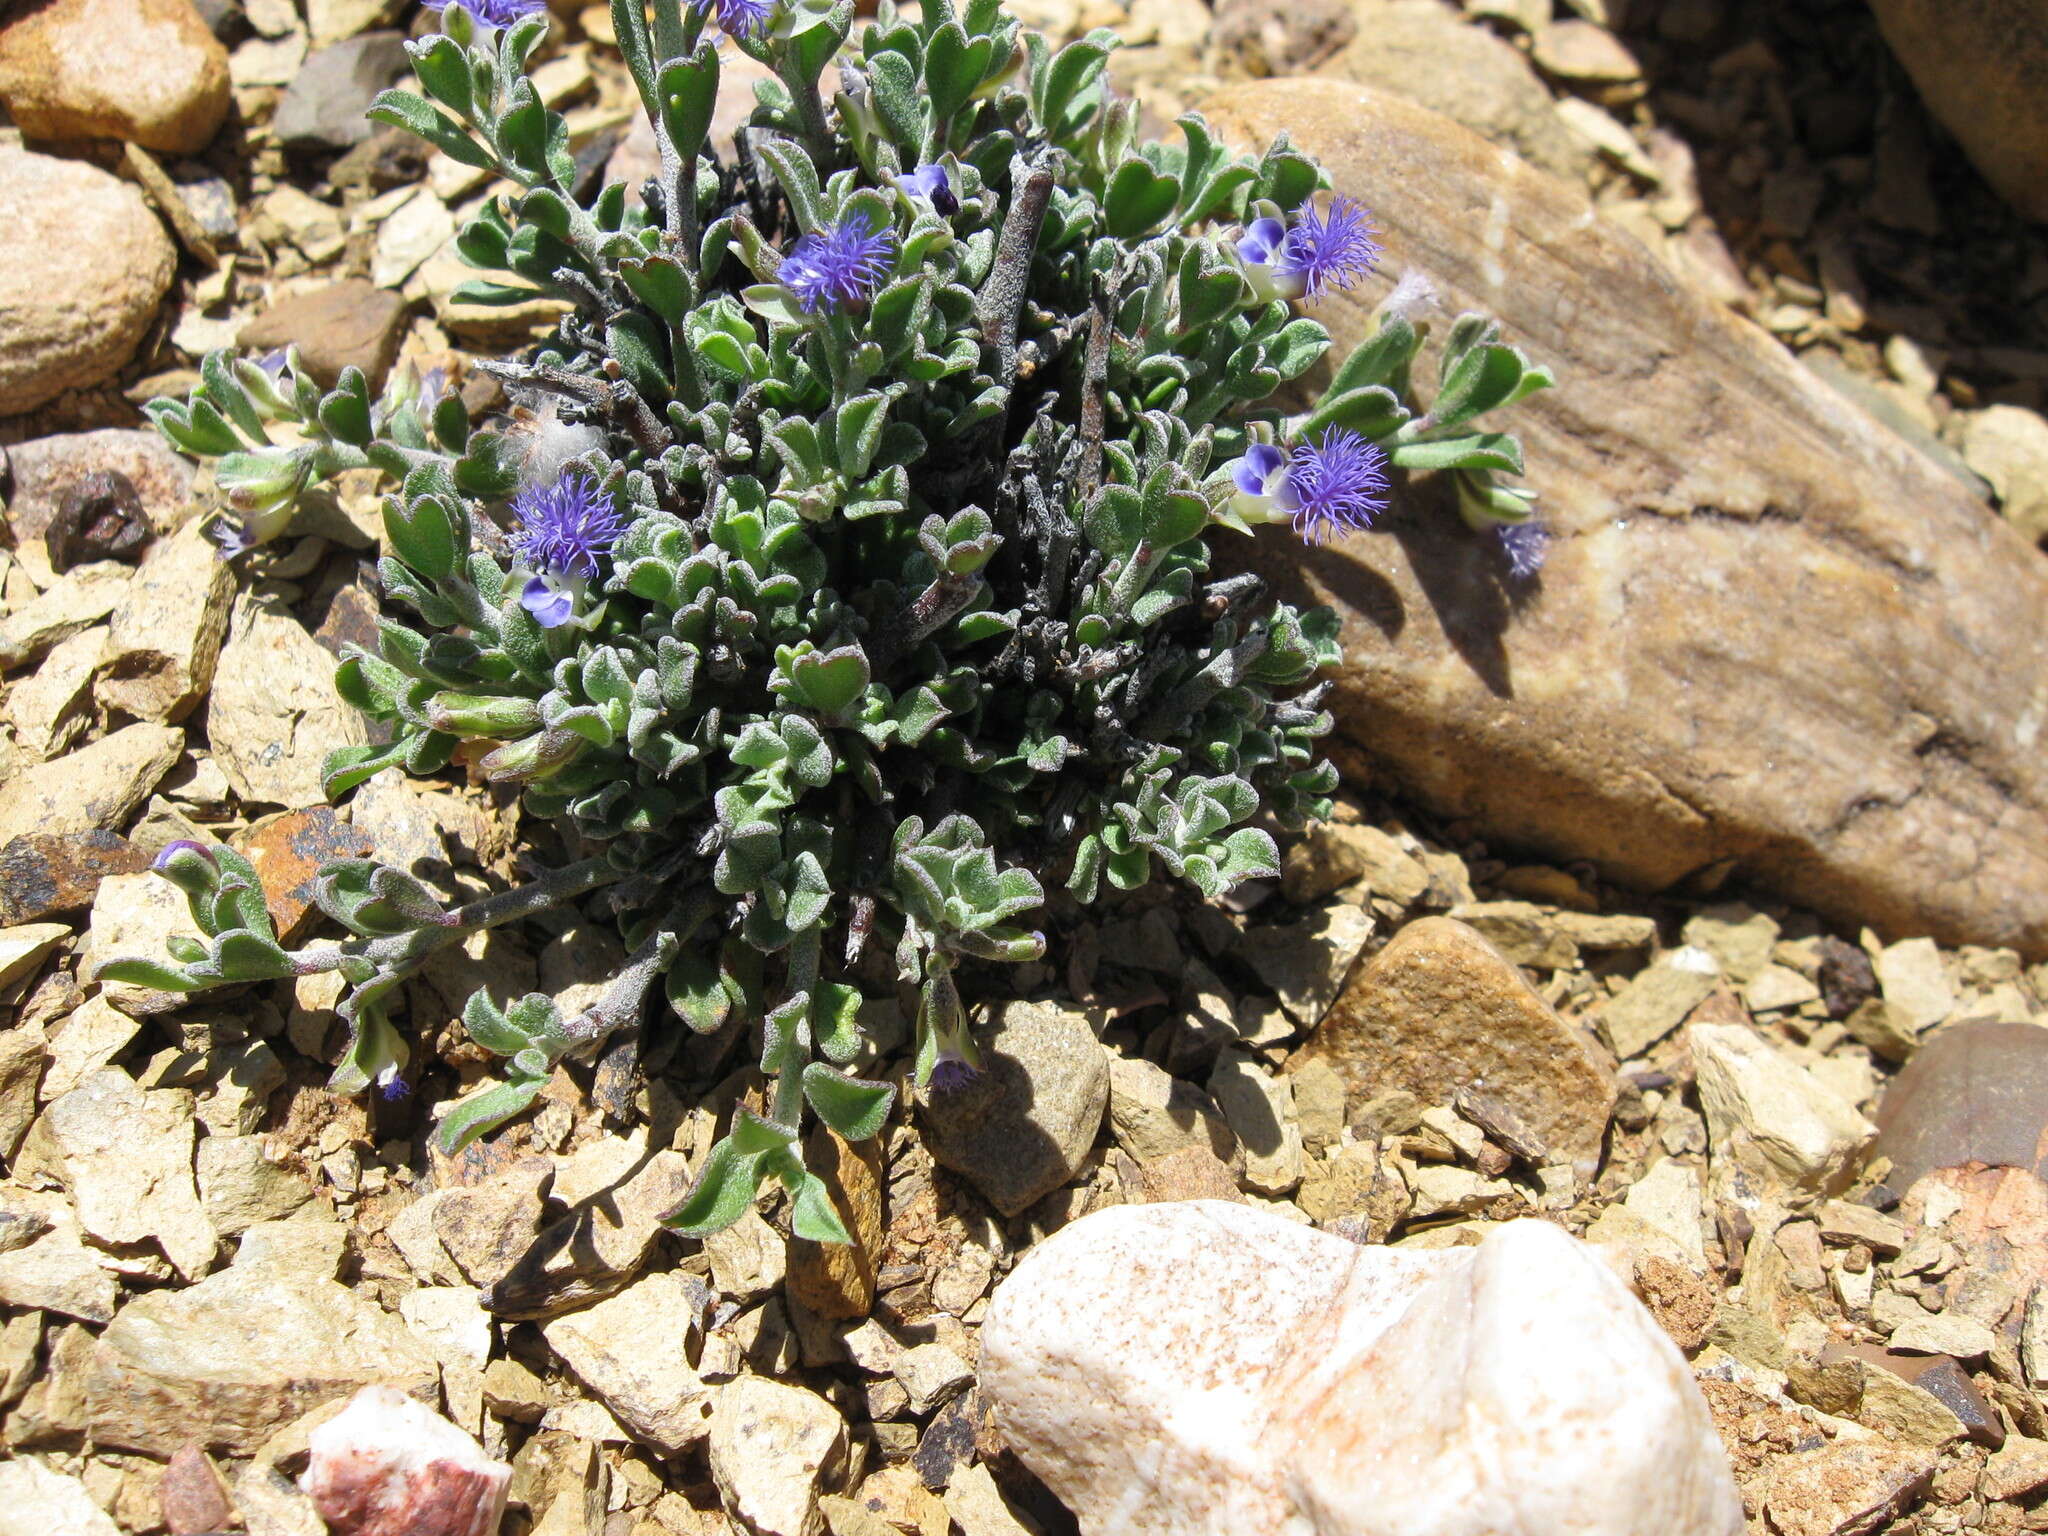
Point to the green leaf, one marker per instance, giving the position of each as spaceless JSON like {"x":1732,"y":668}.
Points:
{"x":811,"y":1214}
{"x":421,"y":118}
{"x":139,"y":972}
{"x":421,"y":534}
{"x":1138,"y":199}
{"x":1482,"y":450}
{"x":830,"y":681}
{"x":732,"y":1173}
{"x":688,"y":89}
{"x":853,"y":1107}
{"x":489,"y":1028}
{"x":346,"y":767}
{"x":798,"y":179}
{"x":484,"y":1111}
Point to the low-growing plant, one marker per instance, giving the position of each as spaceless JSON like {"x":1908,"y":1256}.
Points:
{"x":846,"y":580}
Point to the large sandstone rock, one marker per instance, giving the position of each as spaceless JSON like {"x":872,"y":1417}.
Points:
{"x":1182,"y":1369}
{"x":1770,"y":636}
{"x":1982,"y":68}
{"x":147,"y":71}
{"x":83,"y":266}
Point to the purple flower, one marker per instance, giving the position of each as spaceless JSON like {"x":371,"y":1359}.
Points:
{"x":390,"y":1086}
{"x":839,"y":267}
{"x":172,"y":850}
{"x":494,"y":13}
{"x":951,"y":1072}
{"x":1253,"y":474}
{"x":1525,"y":545}
{"x":931,"y":183}
{"x":738,"y":18}
{"x":1334,"y":487}
{"x":1317,"y":252}
{"x":562,"y":530}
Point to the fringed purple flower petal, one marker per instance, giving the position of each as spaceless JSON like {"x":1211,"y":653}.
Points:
{"x":1526,"y":545}
{"x":1335,"y":486}
{"x":951,"y":1072}
{"x":839,"y":267}
{"x":494,"y":13}
{"x":1325,"y":250}
{"x":564,"y":527}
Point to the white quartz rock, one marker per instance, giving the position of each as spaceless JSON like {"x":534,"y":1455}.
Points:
{"x":1188,"y":1368}
{"x":388,"y":1466}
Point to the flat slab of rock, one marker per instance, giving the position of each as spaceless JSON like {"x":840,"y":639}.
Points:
{"x":230,"y":1361}
{"x":96,"y":788}
{"x":83,"y":266}
{"x":1177,"y":1370}
{"x":273,"y":715}
{"x":1439,"y":1010}
{"x":1770,"y":634}
{"x":631,"y":1351}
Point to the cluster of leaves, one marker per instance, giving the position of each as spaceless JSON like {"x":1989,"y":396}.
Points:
{"x":910,"y":612}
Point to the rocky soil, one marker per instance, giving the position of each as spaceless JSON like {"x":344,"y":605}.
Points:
{"x":1782,"y":673}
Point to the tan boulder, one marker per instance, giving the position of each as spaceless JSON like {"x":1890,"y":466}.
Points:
{"x":1771,"y":636}
{"x":83,"y":266}
{"x":1982,"y":68}
{"x":147,"y":71}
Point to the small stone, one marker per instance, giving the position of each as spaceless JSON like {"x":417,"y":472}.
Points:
{"x":1657,"y":1001}
{"x":1522,"y":931}
{"x":167,"y":633}
{"x":58,"y":1273}
{"x":240,"y":1080}
{"x":1895,"y":1407}
{"x":631,"y":1350}
{"x":83,"y":266}
{"x":837,"y":1280}
{"x":1021,"y":1128}
{"x":388,"y":1466}
{"x":1584,"y":54}
{"x":1776,"y":988}
{"x":240,"y":1186}
{"x":1847,"y":978}
{"x":323,"y":109}
{"x":414,"y":231}
{"x":1975,"y":1093}
{"x":297,"y":218}
{"x":1567,"y":1404}
{"x":1318,"y":1104}
{"x":598,"y":1247}
{"x":1306,"y":963}
{"x":25,"y":948}
{"x":2017,"y":1470}
{"x":288,"y":850}
{"x":48,"y":471}
{"x":1884,"y":1027}
{"x":79,"y":599}
{"x":21,"y":1068}
{"x":1768,"y":1113}
{"x":147,"y":71}
{"x":51,"y":707}
{"x":1607,"y":931}
{"x":191,"y":1497}
{"x":931,"y":1373}
{"x":233,"y":1359}
{"x":513,"y":1392}
{"x":773,"y":1448}
{"x":274,"y":716}
{"x":1334,"y":854}
{"x":100,"y":518}
{"x":89,"y":1038}
{"x":748,"y":1258}
{"x":1152,"y":1113}
{"x":978,"y":1507}
{"x":1844,"y":1487}
{"x":126,"y":1158}
{"x":98,"y":787}
{"x":1191,"y":1173}
{"x":1668,"y":1198}
{"x":349,"y":324}
{"x":2008,"y":446}
{"x":1913,"y":978}
{"x":1845,"y":1222}
{"x":1440,"y":1009}
{"x":43,"y":874}
{"x":36,"y":1500}
{"x":1259,"y":1109}
{"x":1944,"y":1333}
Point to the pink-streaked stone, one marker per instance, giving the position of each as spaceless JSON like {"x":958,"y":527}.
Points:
{"x":388,"y":1466}
{"x":1174,"y":1370}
